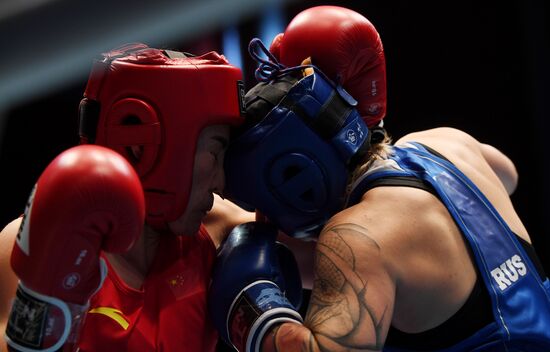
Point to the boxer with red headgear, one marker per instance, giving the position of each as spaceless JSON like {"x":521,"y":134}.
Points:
{"x":159,"y":102}
{"x":422,"y":250}
{"x":168,"y":116}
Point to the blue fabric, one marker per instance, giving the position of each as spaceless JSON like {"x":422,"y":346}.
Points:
{"x":520,"y":300}
{"x":250,"y":282}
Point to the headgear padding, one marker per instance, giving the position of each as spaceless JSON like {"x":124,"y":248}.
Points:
{"x":159,"y":101}
{"x":293,"y":164}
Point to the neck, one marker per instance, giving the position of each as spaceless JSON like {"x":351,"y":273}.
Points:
{"x":133,"y":266}
{"x":141,"y":255}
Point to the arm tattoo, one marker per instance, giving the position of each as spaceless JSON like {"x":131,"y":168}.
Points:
{"x":339,"y":315}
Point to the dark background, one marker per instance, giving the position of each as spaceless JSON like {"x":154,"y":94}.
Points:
{"x":480,"y":66}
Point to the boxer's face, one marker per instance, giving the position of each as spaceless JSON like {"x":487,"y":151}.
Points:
{"x":208,"y":178}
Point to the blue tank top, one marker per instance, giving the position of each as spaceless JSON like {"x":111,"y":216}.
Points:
{"x":520,"y":299}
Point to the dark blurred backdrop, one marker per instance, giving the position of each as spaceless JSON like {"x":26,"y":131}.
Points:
{"x":481,"y":66}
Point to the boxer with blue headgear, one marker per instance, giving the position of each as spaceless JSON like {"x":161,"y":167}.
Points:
{"x":292,"y":161}
{"x":425,"y":253}
{"x":302,"y":182}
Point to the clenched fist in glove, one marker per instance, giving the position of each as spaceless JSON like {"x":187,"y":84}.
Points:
{"x":87,"y":200}
{"x":256,"y":283}
{"x":345,"y":46}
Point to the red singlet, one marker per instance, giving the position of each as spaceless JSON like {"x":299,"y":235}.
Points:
{"x":169,"y":313}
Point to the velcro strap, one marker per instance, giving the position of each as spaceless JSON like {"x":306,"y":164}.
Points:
{"x":271,"y":92}
{"x":261,"y":99}
{"x":40,"y":323}
{"x":330,"y":117}
{"x":257,"y":307}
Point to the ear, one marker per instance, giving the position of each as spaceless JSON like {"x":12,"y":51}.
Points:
{"x":133,"y":129}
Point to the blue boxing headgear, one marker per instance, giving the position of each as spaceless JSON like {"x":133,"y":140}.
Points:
{"x":293,"y":165}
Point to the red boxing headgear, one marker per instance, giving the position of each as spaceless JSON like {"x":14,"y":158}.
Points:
{"x":344,"y":45}
{"x":159,"y":101}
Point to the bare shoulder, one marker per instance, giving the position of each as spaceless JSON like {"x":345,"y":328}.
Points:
{"x":488,"y":167}
{"x":442,"y":136}
{"x":7,"y":238}
{"x":438,"y":132}
{"x":392,"y":222}
{"x":411,"y":241}
{"x":374,"y":229}
{"x":223,"y":217}
{"x":473,"y":157}
{"x":7,"y":277}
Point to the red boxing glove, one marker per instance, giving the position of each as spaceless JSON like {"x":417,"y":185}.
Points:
{"x":346,"y":47}
{"x":88,"y":199}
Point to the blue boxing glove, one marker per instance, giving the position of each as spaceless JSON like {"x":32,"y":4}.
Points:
{"x":256,"y":283}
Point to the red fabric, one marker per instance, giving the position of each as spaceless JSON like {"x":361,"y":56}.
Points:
{"x":174,"y":99}
{"x":169,"y":313}
{"x":347,"y":47}
{"x":82,"y":194}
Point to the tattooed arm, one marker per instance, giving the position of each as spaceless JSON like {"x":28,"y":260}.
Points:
{"x":352,"y":299}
